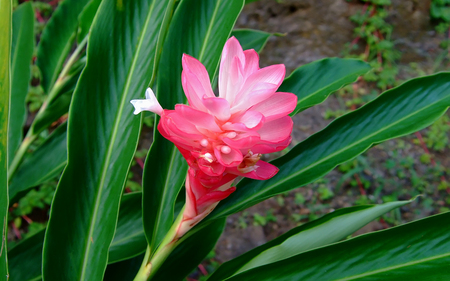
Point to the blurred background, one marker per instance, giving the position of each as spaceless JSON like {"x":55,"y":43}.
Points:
{"x":401,"y":39}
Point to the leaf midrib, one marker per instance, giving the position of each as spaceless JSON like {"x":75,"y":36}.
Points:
{"x":208,"y":31}
{"x":390,"y":268}
{"x":256,"y":194}
{"x":113,"y":136}
{"x":127,"y":237}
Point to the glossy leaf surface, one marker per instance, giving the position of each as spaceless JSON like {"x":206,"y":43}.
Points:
{"x":251,"y":39}
{"x":200,"y":29}
{"x":25,"y":259}
{"x":328,"y":229}
{"x":21,"y":54}
{"x":86,"y":17}
{"x":5,"y":91}
{"x":102,"y":138}
{"x":315,"y":81}
{"x":57,"y":39}
{"x":129,"y":240}
{"x":45,"y":163}
{"x":124,"y":270}
{"x":397,"y":112}
{"x":415,"y":251}
{"x":191,"y":252}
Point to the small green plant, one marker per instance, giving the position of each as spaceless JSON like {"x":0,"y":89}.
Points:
{"x":436,"y":136}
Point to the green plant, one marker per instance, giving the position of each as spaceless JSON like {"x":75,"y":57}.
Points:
{"x":94,"y":226}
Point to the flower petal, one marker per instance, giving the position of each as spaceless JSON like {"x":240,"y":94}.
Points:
{"x":263,"y":171}
{"x":198,"y":118}
{"x":251,"y":119}
{"x":232,"y":60}
{"x":278,"y":105}
{"x":268,"y":147}
{"x":276,"y":130}
{"x":232,"y":158}
{"x":213,"y":197}
{"x":149,"y":104}
{"x":273,"y":74}
{"x":251,"y":62}
{"x":258,"y":93}
{"x":243,"y":141}
{"x":195,"y":82}
{"x":218,"y":107}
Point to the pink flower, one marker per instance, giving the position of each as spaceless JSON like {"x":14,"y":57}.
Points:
{"x":223,"y":137}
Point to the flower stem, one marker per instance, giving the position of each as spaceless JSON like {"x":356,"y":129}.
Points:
{"x":152,"y":263}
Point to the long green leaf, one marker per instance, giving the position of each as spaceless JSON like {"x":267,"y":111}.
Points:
{"x":86,"y":17}
{"x":102,"y":138}
{"x":124,"y":270}
{"x":57,"y":39}
{"x":25,"y":259}
{"x":5,"y":91}
{"x":129,"y":240}
{"x":190,"y":253}
{"x":200,"y":29}
{"x":397,"y":112}
{"x":45,"y":163}
{"x":21,"y":54}
{"x":415,"y":251}
{"x":328,"y":229}
{"x":57,"y":104}
{"x":314,"y":82}
{"x":251,"y":39}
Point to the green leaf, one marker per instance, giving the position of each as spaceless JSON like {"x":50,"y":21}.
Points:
{"x":21,"y":54}
{"x":86,"y":17}
{"x":328,"y":229}
{"x":200,"y":29}
{"x":129,"y":240}
{"x":102,"y":138}
{"x":191,"y":252}
{"x":415,"y":251}
{"x":58,"y":102}
{"x":251,"y":39}
{"x":124,"y":270}
{"x":314,"y":82}
{"x":25,"y":258}
{"x":45,"y":163}
{"x":5,"y":91}
{"x":57,"y":39}
{"x":397,"y":112}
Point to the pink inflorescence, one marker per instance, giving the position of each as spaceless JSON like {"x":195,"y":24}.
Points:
{"x":223,"y":137}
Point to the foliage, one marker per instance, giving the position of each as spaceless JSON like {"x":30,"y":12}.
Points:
{"x":93,"y":58}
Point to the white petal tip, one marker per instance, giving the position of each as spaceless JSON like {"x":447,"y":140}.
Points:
{"x":149,"y":104}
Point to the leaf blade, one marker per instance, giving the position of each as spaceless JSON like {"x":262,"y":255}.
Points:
{"x":56,"y":40}
{"x":251,"y":38}
{"x":21,"y":54}
{"x":26,"y":257}
{"x":5,"y":92}
{"x":418,"y":250}
{"x":50,"y":157}
{"x":312,"y":83}
{"x":191,"y":251}
{"x":119,"y":63}
{"x":330,"y":228}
